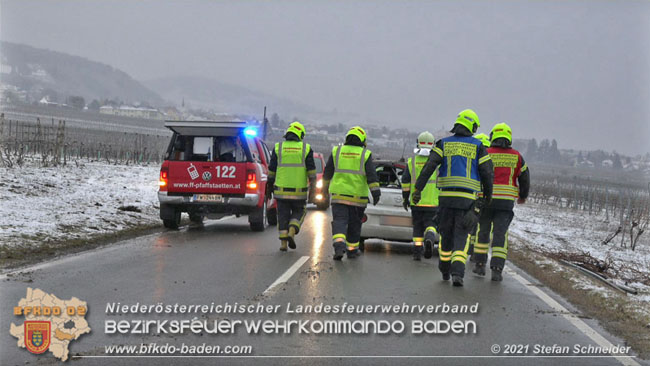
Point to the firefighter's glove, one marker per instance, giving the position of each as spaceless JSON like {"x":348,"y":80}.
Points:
{"x":479,"y":205}
{"x":417,"y":196}
{"x":375,"y":196}
{"x":406,"y":204}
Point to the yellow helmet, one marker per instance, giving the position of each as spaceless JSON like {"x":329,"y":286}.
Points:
{"x":469,"y":119}
{"x":358,"y":132}
{"x":485,"y":139}
{"x":297,"y":128}
{"x":501,"y":130}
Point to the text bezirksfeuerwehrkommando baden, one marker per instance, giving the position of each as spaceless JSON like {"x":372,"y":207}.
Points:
{"x":285,"y":326}
{"x":289,"y":308}
{"x":304,"y":326}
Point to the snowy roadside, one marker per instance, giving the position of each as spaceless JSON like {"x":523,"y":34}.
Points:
{"x":538,"y":232}
{"x":550,"y":229}
{"x":49,"y":206}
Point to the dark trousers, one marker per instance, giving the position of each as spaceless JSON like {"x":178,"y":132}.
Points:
{"x":290,"y":213}
{"x":454,"y":241}
{"x":423,"y":221}
{"x":497,"y":221}
{"x":472,"y":239}
{"x":346,"y":224}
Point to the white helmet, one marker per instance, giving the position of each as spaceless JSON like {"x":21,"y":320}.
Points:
{"x":426,"y":140}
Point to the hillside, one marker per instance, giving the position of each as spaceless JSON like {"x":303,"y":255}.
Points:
{"x":40,"y":72}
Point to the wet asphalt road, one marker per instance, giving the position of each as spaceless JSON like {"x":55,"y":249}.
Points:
{"x":224,"y":261}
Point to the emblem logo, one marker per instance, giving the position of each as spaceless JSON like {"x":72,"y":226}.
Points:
{"x":37,"y":336}
{"x":207,"y":176}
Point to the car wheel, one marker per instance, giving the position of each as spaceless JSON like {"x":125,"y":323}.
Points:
{"x":272,"y":216}
{"x":257,"y":219}
{"x":173,"y":222}
{"x":196,"y":218}
{"x":322,"y":206}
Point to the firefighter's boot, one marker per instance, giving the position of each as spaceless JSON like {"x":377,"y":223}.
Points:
{"x":283,"y":245}
{"x":479,"y":268}
{"x":457,"y":280}
{"x":339,"y":250}
{"x":497,"y":274}
{"x":446,"y":276}
{"x":430,"y":238}
{"x":292,"y":233}
{"x":417,"y":252}
{"x":352,"y":253}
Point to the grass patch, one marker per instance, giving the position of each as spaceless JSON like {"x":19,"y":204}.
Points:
{"x":22,"y":255}
{"x":129,"y":208}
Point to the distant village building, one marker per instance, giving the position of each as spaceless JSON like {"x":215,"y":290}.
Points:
{"x":134,"y":112}
{"x":172,"y":114}
{"x":586,"y":163}
{"x":46,"y":102}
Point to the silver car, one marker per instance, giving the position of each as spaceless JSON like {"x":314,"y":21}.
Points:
{"x":388,"y":220}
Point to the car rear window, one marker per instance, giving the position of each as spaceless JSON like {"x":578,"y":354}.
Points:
{"x":319,"y":165}
{"x":204,"y":148}
{"x":389,"y":176}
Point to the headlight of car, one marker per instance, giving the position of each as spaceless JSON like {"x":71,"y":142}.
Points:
{"x":319,"y":184}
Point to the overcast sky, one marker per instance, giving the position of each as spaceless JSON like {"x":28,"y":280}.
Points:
{"x":577,"y":71}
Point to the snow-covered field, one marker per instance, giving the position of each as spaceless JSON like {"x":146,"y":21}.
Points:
{"x":550,"y":229}
{"x":78,"y":201}
{"x":53,"y":204}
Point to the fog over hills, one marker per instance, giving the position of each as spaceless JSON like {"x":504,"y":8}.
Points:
{"x":43,"y":72}
{"x":209,"y":94}
{"x":574,"y":71}
{"x":57,"y":75}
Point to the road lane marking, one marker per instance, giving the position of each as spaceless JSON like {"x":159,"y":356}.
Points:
{"x":577,"y":322}
{"x":286,"y":275}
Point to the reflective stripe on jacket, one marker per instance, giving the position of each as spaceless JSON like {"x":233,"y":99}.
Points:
{"x":507,"y":168}
{"x":430,"y":192}
{"x":291,"y":177}
{"x":349,"y":184}
{"x":458,"y":175}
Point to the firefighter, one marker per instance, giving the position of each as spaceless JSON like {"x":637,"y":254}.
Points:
{"x":485,"y":140}
{"x":292,"y":177}
{"x":511,"y":183}
{"x":424,"y":212}
{"x":348,"y":175}
{"x":465,"y":167}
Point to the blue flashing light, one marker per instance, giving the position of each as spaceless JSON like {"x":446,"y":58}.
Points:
{"x":250,"y":131}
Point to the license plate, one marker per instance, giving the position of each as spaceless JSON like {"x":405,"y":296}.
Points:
{"x":395,"y":221}
{"x":208,"y":198}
